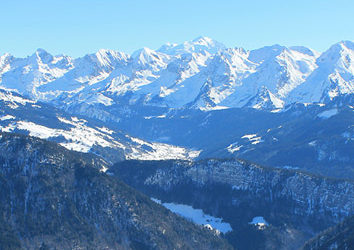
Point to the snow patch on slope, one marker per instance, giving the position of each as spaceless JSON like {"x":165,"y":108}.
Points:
{"x":234,"y":147}
{"x":12,"y":100}
{"x":7,"y":117}
{"x":328,"y":113}
{"x":79,"y":138}
{"x":160,"y":151}
{"x":82,"y":138}
{"x":259,"y":222}
{"x":253,"y":138}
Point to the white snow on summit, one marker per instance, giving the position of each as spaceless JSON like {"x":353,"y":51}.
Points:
{"x":201,"y":73}
{"x":334,"y":76}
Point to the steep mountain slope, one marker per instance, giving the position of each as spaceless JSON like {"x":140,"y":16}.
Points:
{"x":334,"y":76}
{"x":27,"y":74}
{"x":295,"y":205}
{"x":22,"y":115}
{"x":52,"y":197}
{"x":279,"y":71}
{"x":340,"y":236}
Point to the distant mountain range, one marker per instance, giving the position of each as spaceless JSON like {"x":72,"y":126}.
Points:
{"x":202,"y":73}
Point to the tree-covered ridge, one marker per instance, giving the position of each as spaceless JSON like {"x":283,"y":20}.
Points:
{"x":55,"y":198}
{"x":340,"y":236}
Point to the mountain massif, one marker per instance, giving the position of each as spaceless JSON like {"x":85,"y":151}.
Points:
{"x":201,"y":73}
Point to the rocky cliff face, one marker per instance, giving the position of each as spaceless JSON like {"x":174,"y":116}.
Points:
{"x":237,"y":191}
{"x":310,"y":194}
{"x":55,"y":198}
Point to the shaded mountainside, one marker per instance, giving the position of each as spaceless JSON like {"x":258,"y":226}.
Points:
{"x":55,"y":198}
{"x":296,"y":204}
{"x":319,"y":140}
{"x":313,"y":138}
{"x":340,"y":236}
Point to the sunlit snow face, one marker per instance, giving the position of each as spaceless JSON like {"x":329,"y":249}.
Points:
{"x":201,"y":73}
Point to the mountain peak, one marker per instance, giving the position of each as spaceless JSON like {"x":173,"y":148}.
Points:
{"x":347,"y":44}
{"x":200,"y":44}
{"x":259,"y":55}
{"x":6,"y":55}
{"x":341,"y":51}
{"x":333,"y":76}
{"x":203,"y":40}
{"x":109,"y":52}
{"x":143,"y":51}
{"x":43,"y":55}
{"x":207,"y":43}
{"x":4,"y":60}
{"x":41,"y":52}
{"x":105,"y":51}
{"x":340,"y":46}
{"x":167,"y":47}
{"x":305,"y":50}
{"x":107,"y":57}
{"x":145,"y":57}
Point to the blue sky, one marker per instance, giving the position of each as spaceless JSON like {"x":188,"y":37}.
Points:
{"x":76,"y":27}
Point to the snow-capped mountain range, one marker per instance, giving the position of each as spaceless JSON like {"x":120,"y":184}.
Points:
{"x":202,"y":73}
